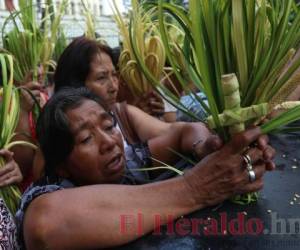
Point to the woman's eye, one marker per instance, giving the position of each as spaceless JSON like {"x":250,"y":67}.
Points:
{"x":86,"y":139}
{"x":109,"y":128}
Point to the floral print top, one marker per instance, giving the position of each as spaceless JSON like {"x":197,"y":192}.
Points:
{"x":8,"y":231}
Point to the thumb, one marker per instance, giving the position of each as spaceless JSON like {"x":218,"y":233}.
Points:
{"x":6,"y":154}
{"x":242,"y":140}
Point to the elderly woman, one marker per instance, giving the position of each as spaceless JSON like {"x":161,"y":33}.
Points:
{"x":79,"y":203}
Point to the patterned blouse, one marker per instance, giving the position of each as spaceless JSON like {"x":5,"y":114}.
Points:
{"x":8,"y":231}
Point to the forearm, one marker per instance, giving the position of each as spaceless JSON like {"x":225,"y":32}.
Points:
{"x":146,"y":126}
{"x":180,"y":137}
{"x":191,"y":133}
{"x":107,"y":215}
{"x":23,"y":155}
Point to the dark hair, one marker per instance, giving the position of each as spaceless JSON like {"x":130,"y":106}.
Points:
{"x":73,"y":65}
{"x":53,"y":130}
{"x":116,"y":52}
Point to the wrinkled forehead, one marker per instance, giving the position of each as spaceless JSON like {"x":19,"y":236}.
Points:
{"x":102,"y":62}
{"x":85,"y":113}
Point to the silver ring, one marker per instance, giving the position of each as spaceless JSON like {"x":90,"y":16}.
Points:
{"x":252,"y":176}
{"x":247,"y":159}
{"x":249,"y":167}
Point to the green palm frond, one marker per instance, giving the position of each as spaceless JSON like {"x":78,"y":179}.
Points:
{"x":9,"y":117}
{"x":37,"y":37}
{"x":241,"y":54}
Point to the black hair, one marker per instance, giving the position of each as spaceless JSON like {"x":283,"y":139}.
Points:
{"x":73,"y":65}
{"x":53,"y":128}
{"x":116,"y":52}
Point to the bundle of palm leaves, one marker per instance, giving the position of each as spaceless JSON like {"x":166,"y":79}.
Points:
{"x":254,"y":40}
{"x":9,"y":117}
{"x":149,"y":45}
{"x":241,"y":54}
{"x":31,"y":42}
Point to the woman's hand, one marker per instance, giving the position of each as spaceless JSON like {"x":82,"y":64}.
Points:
{"x":27,"y":101}
{"x":152,"y":104}
{"x":10,"y":172}
{"x":35,"y":87}
{"x":223,"y":173}
{"x":203,"y":147}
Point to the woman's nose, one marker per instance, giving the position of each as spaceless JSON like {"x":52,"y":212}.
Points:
{"x":106,"y":141}
{"x":113,"y":84}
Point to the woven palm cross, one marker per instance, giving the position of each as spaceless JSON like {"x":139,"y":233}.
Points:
{"x":234,"y":116}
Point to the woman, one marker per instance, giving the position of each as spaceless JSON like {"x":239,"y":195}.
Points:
{"x":85,"y":161}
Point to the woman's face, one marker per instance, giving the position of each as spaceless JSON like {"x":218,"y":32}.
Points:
{"x":98,"y":153}
{"x":103,"y":79}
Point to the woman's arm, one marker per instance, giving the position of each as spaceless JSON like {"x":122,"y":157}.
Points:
{"x":178,"y":136}
{"x":104,"y":216}
{"x":146,"y":126}
{"x":24,"y":155}
{"x":186,"y":138}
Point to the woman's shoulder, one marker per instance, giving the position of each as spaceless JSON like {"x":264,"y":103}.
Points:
{"x":41,"y":187}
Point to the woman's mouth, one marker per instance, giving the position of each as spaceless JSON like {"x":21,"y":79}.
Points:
{"x":112,"y":99}
{"x":116,"y":164}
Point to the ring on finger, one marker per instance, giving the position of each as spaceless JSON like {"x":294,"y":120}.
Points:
{"x":247,"y":159}
{"x":252,"y":176}
{"x":249,"y":167}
